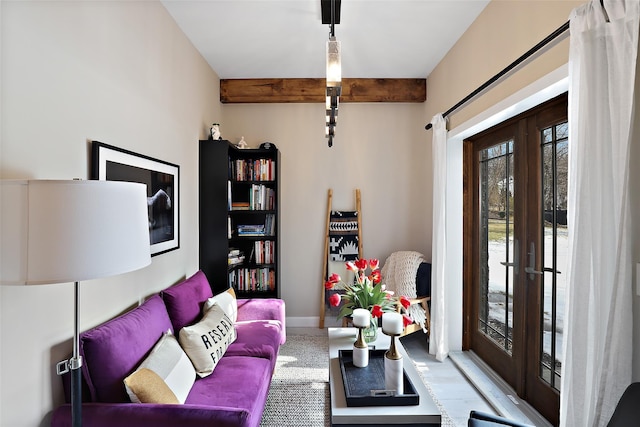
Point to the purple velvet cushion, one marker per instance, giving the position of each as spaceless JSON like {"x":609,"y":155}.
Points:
{"x":257,"y":338}
{"x":264,"y":309}
{"x":184,"y":300}
{"x":112,"y":351}
{"x":237,"y":382}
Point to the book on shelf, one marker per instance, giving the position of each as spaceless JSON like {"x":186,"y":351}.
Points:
{"x":270,"y":225}
{"x":261,"y":197}
{"x":264,"y":251}
{"x":253,"y":279}
{"x":253,"y":169}
{"x":250,"y":230}
{"x":236,"y":256}
{"x":236,"y":260}
{"x":240,"y":206}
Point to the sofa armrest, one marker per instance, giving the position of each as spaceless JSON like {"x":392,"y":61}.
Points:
{"x":151,"y":415}
{"x":263,"y":309}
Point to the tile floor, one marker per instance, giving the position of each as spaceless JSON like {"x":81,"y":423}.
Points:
{"x":461,"y":383}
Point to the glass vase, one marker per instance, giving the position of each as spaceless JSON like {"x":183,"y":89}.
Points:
{"x":371,"y":333}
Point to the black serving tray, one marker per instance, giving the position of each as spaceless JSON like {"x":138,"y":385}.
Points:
{"x":366,"y":387}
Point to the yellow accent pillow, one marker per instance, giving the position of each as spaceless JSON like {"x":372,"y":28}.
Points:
{"x":149,"y":387}
{"x":165,"y":376}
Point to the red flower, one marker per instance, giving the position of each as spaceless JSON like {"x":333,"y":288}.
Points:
{"x":375,"y":276}
{"x":361,"y":264}
{"x":334,"y":300}
{"x":373,"y":264}
{"x":335,"y":278}
{"x":405,"y":302}
{"x":351,"y":266}
{"x":328,"y":285}
{"x":376,"y":311}
{"x":406,"y":320}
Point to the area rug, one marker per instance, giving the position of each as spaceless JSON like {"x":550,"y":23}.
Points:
{"x":299,"y":395}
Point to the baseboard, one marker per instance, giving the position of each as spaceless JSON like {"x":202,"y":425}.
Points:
{"x":312,"y":322}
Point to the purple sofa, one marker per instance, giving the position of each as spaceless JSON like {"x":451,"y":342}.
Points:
{"x":233,"y":395}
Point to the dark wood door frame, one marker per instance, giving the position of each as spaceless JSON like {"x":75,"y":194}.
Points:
{"x":519,"y":372}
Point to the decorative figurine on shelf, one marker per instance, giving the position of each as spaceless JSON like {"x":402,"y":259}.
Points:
{"x":242,"y":143}
{"x":268,"y":146}
{"x":215,"y":131}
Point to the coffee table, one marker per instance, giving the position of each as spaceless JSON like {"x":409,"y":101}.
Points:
{"x":426,"y":414}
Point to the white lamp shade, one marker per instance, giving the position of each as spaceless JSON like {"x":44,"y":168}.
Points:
{"x":68,"y":231}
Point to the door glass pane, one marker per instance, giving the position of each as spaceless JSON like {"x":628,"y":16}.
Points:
{"x":496,"y":192}
{"x":554,"y":251}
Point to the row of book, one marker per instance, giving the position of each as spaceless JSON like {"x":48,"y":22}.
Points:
{"x":264,"y":251}
{"x":260,"y":197}
{"x":250,"y":230}
{"x":266,"y":229}
{"x":253,"y":279}
{"x":252,"y":169}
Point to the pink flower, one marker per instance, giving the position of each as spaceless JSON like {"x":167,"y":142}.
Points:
{"x":405,"y":302}
{"x":334,"y":300}
{"x":373,"y":264}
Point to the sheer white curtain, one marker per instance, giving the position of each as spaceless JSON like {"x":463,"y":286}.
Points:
{"x":598,"y":334}
{"x":438,"y":336}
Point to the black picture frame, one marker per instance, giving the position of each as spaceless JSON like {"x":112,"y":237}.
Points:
{"x":163,"y":189}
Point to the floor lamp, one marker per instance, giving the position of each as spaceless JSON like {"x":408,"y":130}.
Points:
{"x":71,"y":231}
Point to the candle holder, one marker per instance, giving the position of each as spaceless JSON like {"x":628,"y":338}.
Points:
{"x":393,"y":366}
{"x":360,"y":341}
{"x":360,"y":350}
{"x":361,"y":318}
{"x":393,"y":353}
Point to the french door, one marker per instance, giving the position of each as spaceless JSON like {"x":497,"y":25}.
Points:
{"x":515,"y":254}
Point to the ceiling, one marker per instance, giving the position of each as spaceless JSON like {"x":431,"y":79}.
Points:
{"x":286,"y":38}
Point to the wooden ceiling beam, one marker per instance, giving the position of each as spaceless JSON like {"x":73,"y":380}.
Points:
{"x":239,"y":91}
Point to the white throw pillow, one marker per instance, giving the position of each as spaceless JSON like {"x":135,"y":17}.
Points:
{"x":227,"y":301}
{"x":165,"y":376}
{"x":207,"y":341}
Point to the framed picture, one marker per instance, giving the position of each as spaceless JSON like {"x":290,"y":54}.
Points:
{"x":163,"y":189}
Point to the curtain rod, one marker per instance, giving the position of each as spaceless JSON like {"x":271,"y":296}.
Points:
{"x":506,"y":70}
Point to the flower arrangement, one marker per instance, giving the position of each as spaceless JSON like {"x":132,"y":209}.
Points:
{"x":367,"y":291}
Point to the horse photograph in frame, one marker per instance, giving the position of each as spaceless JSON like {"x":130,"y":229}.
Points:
{"x":163,"y":189}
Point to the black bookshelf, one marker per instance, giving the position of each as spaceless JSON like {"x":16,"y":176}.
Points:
{"x":239,"y":218}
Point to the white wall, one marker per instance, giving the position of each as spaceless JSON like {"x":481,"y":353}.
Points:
{"x":118,"y":72}
{"x":380,"y":148}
